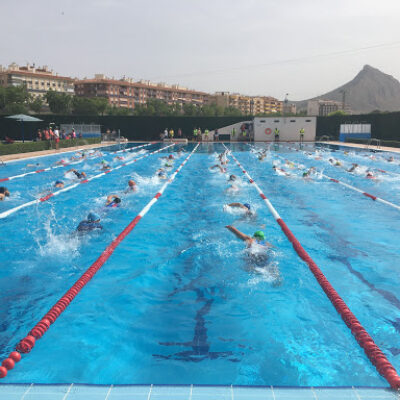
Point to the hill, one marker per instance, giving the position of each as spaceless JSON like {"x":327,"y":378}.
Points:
{"x":370,"y":90}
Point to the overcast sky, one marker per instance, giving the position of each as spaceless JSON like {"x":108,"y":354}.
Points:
{"x":256,"y":47}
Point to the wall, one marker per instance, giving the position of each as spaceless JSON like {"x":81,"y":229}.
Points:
{"x":289,"y":128}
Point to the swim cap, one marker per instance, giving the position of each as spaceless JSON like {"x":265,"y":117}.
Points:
{"x":58,"y":182}
{"x":92,"y":217}
{"x":171,"y":156}
{"x":232,"y":177}
{"x":247,"y":205}
{"x":259,"y":235}
{"x":103,"y":161}
{"x":117,"y":200}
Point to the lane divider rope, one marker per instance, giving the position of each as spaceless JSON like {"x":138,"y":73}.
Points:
{"x":366,"y":194}
{"x":373,"y":352}
{"x":132,"y":148}
{"x":28,"y":342}
{"x":58,"y":166}
{"x":66,"y":189}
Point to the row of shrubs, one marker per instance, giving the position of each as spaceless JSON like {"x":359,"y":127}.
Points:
{"x":19,"y":147}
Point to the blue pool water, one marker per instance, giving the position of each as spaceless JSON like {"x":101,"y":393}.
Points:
{"x":182,"y":300}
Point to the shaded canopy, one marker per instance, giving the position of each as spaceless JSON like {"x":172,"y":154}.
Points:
{"x":24,"y":118}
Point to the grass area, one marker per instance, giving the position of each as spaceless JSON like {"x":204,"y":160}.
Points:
{"x":19,"y":147}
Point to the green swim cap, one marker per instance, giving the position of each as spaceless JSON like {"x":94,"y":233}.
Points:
{"x":259,"y":235}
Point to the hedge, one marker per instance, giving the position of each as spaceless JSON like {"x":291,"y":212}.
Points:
{"x":19,"y":147}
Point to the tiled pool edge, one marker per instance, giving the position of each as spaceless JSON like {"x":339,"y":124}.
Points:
{"x":23,"y":391}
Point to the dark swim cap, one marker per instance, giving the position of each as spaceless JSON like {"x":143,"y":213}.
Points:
{"x":247,"y":205}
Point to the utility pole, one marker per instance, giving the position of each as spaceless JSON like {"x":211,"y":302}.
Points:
{"x":343,"y":99}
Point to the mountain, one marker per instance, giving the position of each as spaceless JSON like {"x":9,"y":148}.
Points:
{"x":370,"y":90}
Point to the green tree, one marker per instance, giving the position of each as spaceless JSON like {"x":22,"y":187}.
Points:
{"x":15,"y":108}
{"x":337,"y":113}
{"x":190,"y":110}
{"x":36,"y":104}
{"x":59,"y":103}
{"x":102,"y":105}
{"x":232,"y":112}
{"x":84,"y":106}
{"x":119,"y":111}
{"x":14,"y":99}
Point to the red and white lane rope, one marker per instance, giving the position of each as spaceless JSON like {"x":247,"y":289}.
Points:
{"x":27,"y":343}
{"x":132,"y":148}
{"x":66,"y":189}
{"x":366,"y":194}
{"x":374,"y":353}
{"x":59,"y":166}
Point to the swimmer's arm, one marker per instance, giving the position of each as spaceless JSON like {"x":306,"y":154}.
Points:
{"x":237,"y":205}
{"x":238,"y":234}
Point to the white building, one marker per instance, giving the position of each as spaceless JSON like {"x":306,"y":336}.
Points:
{"x":289,"y":128}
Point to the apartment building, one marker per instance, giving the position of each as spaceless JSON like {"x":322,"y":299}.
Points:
{"x":248,"y":105}
{"x":322,"y":108}
{"x":37,"y":80}
{"x":128,"y":93}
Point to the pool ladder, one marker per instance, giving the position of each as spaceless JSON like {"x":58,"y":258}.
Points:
{"x":371,"y":141}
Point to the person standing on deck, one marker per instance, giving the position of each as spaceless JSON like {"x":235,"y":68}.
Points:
{"x":301,"y":135}
{"x":276,"y":133}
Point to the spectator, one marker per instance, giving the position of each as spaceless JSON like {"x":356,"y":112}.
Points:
{"x":57,"y":137}
{"x":39,"y":135}
{"x":80,"y":135}
{"x":63,"y":134}
{"x":73,"y":134}
{"x":216,"y":134}
{"x":179,"y":133}
{"x":165,"y":133}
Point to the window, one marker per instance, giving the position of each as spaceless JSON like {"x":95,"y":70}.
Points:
{"x":277,"y":120}
{"x":308,"y":120}
{"x":292,"y":120}
{"x":262,"y":121}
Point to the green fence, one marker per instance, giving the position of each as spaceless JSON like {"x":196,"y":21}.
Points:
{"x":133,"y":128}
{"x":383,"y":126}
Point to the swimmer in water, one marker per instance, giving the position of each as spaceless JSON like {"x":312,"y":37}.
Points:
{"x":113,"y":201}
{"x":307,"y":174}
{"x":4,"y":192}
{"x":221,"y":169}
{"x":61,"y":162}
{"x":390,"y":159}
{"x":161,"y":173}
{"x":170,"y":157}
{"x":132,"y":187}
{"x":79,"y":175}
{"x":262,"y":155}
{"x":257,"y":238}
{"x":370,"y":175}
{"x":116,"y":158}
{"x":105,"y":166}
{"x":91,"y":223}
{"x":232,"y":178}
{"x":245,"y":207}
{"x":353,"y":167}
{"x":59,"y":184}
{"x":32,"y":165}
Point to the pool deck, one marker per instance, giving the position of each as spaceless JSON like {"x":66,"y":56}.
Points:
{"x":33,"y":154}
{"x":189,"y":392}
{"x":363,"y":146}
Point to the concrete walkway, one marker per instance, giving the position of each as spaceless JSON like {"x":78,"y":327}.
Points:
{"x":32,"y":154}
{"x":364,"y":146}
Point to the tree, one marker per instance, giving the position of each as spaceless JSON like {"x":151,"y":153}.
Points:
{"x":232,"y":112}
{"x":101,"y":105}
{"x":337,"y":113}
{"x":119,"y":111}
{"x":84,"y":106}
{"x":14,"y":99}
{"x":59,"y":103}
{"x":36,"y":104}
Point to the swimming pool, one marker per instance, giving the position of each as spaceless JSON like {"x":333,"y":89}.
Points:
{"x":181,"y":300}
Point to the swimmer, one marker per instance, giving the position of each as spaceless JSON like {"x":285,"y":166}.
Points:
{"x":232,"y":178}
{"x":4,"y":192}
{"x":353,"y":167}
{"x":290,"y":164}
{"x":132,"y":187}
{"x":221,"y":169}
{"x":32,"y":165}
{"x":280,"y":171}
{"x":257,"y":238}
{"x":161,"y":174}
{"x":170,"y":157}
{"x":61,"y":162}
{"x":79,"y":175}
{"x":105,"y":166}
{"x":370,"y":175}
{"x":91,"y":223}
{"x":113,"y":201}
{"x":307,"y":174}
{"x":261,"y":156}
{"x":245,"y":207}
{"x":116,"y":158}
{"x":390,"y":159}
{"x":59,"y":184}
